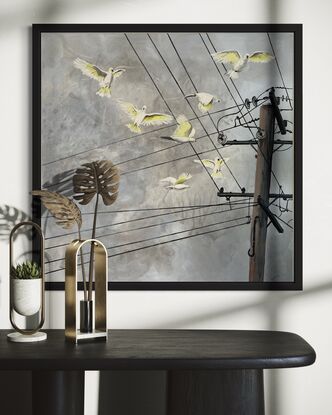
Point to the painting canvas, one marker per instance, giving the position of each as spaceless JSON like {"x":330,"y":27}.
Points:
{"x":185,"y":114}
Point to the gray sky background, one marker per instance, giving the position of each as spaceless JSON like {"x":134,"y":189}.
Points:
{"x":79,"y":126}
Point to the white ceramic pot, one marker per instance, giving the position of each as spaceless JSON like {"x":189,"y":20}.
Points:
{"x":26,"y":296}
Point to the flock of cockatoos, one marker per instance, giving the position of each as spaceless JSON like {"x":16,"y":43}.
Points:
{"x":184,"y":131}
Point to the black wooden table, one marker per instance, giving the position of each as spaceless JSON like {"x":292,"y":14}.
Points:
{"x":209,"y":371}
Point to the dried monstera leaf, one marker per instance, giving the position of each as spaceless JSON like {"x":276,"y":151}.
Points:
{"x":96,"y":178}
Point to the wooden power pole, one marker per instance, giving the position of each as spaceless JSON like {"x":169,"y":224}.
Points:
{"x":261,"y":195}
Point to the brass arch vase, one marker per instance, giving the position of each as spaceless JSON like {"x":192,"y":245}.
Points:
{"x":99,"y":331}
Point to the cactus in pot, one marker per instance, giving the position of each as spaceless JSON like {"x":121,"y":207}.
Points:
{"x":26,"y":285}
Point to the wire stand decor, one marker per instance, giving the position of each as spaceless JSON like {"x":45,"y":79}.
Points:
{"x":27,"y":291}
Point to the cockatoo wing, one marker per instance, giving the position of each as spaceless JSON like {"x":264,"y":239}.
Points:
{"x":182,"y":139}
{"x":179,"y":186}
{"x":129,"y":109}
{"x":206,"y":162}
{"x":183,"y":178}
{"x":157,"y":119}
{"x":171,"y":180}
{"x":118,"y":72}
{"x":184,"y":127}
{"x":204,"y":98}
{"x":181,"y":119}
{"x":90,"y":70}
{"x":227,"y":56}
{"x":205,"y":108}
{"x":217,"y":174}
{"x":192,"y":133}
{"x":260,"y":57}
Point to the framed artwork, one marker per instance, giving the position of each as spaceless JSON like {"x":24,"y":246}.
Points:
{"x":188,"y":142}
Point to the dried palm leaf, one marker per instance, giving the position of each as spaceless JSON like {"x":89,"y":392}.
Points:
{"x":96,"y":178}
{"x":61,"y":208}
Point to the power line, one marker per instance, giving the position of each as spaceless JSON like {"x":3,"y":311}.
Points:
{"x":122,"y":222}
{"x":174,"y":233}
{"x":282,"y":78}
{"x":181,"y":210}
{"x":139,"y":157}
{"x":120,"y":140}
{"x":182,"y":238}
{"x":197,"y":154}
{"x":283,"y":221}
{"x":169,"y":108}
{"x":163,"y":208}
{"x":202,"y":215}
{"x":166,"y":242}
{"x":191,"y":106}
{"x":233,"y":83}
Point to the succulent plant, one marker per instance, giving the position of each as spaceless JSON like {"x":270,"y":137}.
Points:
{"x":28,"y":270}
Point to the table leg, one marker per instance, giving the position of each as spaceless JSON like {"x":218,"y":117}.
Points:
{"x":211,"y":392}
{"x":57,"y":392}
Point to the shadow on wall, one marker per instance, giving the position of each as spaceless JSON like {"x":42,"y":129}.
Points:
{"x":45,"y":11}
{"x":10,"y":216}
{"x":133,"y":392}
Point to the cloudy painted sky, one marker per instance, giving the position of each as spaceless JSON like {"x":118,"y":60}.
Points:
{"x":153,"y":233}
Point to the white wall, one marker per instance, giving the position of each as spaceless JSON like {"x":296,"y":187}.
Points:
{"x":295,"y":391}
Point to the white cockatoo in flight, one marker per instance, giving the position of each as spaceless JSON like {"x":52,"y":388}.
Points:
{"x":205,"y":100}
{"x":104,"y":78}
{"x":141,"y":118}
{"x":238,"y":62}
{"x":184,"y":131}
{"x":214,"y":165}
{"x":178,"y":183}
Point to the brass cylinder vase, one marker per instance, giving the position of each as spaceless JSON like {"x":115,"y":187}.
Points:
{"x":93,"y":320}
{"x":27,"y":297}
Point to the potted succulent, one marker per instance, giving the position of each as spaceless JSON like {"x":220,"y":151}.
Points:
{"x":26,"y":283}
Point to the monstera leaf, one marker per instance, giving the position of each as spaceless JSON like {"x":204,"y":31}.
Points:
{"x":61,"y":208}
{"x":96,"y":178}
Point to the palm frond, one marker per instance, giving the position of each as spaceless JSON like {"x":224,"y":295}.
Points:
{"x":63,"y":209}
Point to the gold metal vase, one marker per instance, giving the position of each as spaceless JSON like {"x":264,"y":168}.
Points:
{"x":99,"y":331}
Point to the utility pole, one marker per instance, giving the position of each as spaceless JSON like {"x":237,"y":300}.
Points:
{"x":261,"y":210}
{"x":261,"y":194}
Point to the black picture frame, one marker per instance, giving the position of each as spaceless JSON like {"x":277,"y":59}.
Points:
{"x":38,"y":29}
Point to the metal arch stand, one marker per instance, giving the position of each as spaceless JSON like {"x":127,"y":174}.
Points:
{"x":27,"y":335}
